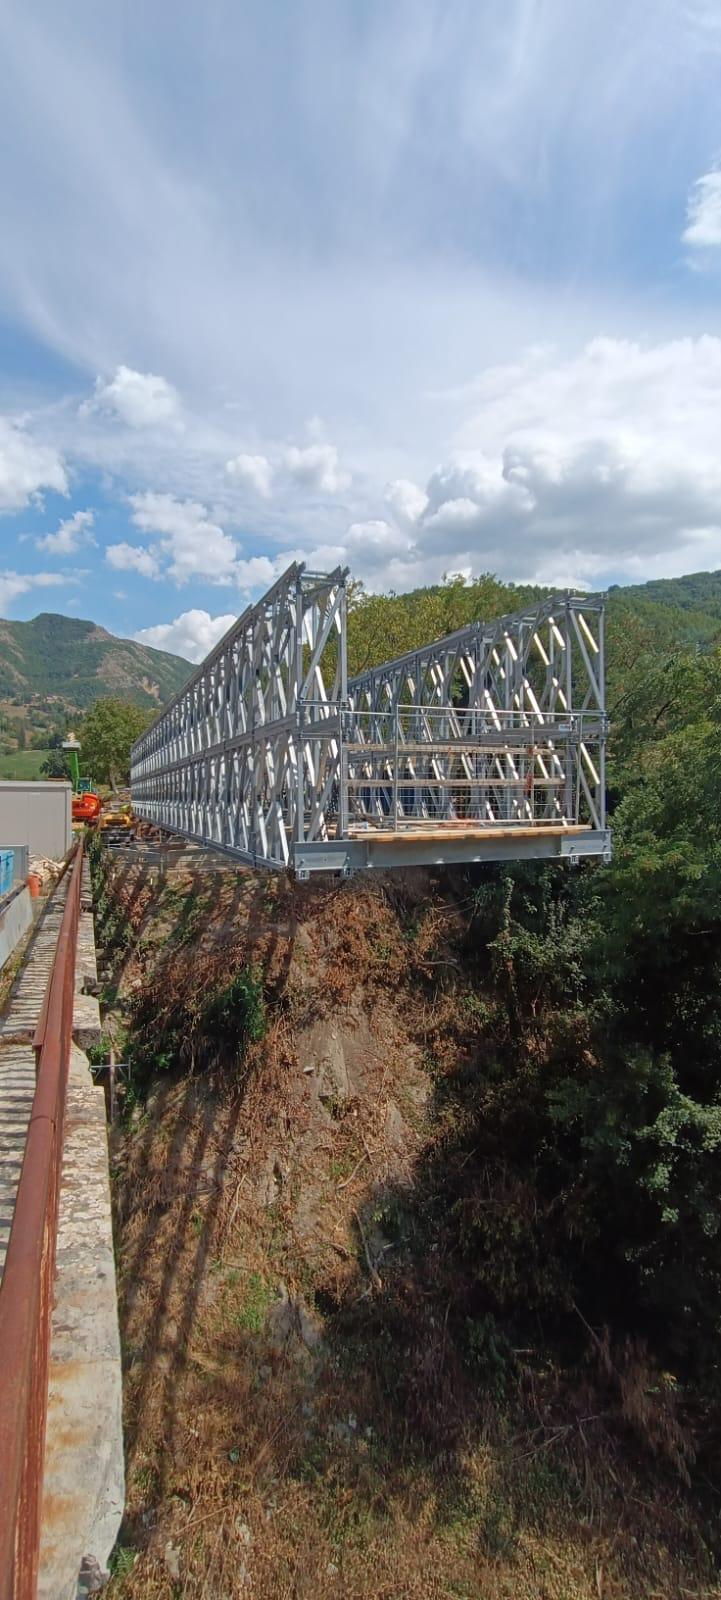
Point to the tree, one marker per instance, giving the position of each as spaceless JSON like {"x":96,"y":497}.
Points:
{"x":106,"y":736}
{"x":55,"y":765}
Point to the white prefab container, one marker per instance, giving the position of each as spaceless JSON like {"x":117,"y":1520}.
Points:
{"x":38,"y":815}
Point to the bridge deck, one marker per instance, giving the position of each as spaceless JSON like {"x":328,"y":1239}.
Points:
{"x":443,"y":831}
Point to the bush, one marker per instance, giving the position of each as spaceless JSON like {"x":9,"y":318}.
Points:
{"x":595,"y":1134}
{"x":234,"y":1017}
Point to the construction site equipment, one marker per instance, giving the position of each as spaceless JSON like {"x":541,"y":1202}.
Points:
{"x":71,"y":746}
{"x":86,"y":807}
{"x":86,"y":804}
{"x":486,"y":745}
{"x":116,"y":817}
{"x":117,"y":825}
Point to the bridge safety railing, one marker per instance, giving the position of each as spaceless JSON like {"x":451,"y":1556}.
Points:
{"x":409,"y":766}
{"x":26,"y":1292}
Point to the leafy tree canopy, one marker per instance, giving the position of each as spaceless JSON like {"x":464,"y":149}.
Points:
{"x":106,"y":736}
{"x":55,"y":765}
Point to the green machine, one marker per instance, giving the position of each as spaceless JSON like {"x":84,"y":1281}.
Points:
{"x":71,"y":746}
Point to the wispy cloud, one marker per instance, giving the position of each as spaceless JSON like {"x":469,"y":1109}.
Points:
{"x":703,"y":226}
{"x":13,"y":584}
{"x":377,"y":220}
{"x":73,"y":532}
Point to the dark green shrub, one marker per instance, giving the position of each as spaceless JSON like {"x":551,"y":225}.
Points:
{"x":234,"y":1017}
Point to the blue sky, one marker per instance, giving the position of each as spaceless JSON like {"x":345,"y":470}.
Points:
{"x":420,"y":287}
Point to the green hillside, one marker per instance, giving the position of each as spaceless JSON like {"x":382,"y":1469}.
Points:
{"x":53,"y":668}
{"x":698,"y":591}
{"x":76,"y":661}
{"x":22,"y":764}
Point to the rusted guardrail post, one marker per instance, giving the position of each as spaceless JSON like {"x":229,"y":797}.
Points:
{"x":26,"y":1292}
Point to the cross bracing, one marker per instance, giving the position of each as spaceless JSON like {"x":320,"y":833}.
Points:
{"x":488,"y":744}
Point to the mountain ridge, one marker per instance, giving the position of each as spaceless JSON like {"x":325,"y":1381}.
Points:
{"x":75,"y":660}
{"x":53,"y":668}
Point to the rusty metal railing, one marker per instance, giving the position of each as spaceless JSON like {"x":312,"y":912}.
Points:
{"x":26,"y":1293}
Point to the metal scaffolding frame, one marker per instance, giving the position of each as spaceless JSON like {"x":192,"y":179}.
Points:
{"x":486,"y":745}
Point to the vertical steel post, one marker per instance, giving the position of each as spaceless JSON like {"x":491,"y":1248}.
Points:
{"x":395,"y":769}
{"x":342,"y":778}
{"x":574,"y":746}
{"x":602,"y":740}
{"x":299,"y":712}
{"x":342,"y":709}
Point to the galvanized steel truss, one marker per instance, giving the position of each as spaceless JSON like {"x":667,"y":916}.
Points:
{"x":488,"y":744}
{"x":503,"y":723}
{"x":244,"y":754}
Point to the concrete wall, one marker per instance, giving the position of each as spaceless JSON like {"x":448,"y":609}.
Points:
{"x":16,"y":917}
{"x":38,"y":815}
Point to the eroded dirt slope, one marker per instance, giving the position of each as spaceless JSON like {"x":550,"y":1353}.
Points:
{"x":323,"y":1397}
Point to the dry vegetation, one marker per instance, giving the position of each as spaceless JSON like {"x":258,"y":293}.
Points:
{"x":318,"y":1400}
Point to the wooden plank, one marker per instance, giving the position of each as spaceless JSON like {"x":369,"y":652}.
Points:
{"x":461,"y":830}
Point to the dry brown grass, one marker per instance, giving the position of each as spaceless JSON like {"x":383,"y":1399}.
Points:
{"x":301,"y":1417}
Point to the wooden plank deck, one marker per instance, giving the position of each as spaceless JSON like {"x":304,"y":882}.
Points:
{"x":463,"y":830}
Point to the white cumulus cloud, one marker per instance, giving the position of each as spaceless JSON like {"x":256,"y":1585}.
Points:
{"x":258,"y":572}
{"x":126,"y":557}
{"x":72,"y":533}
{"x":316,"y":466}
{"x":406,"y":501}
{"x":191,"y":635}
{"x":13,"y":584}
{"x":252,"y":472}
{"x":26,"y":467}
{"x":605,"y":462}
{"x":376,"y":540}
{"x":190,"y":543}
{"x":703,"y":212}
{"x":140,"y":399}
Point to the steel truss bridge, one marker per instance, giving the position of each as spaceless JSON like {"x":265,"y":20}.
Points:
{"x":487,"y":745}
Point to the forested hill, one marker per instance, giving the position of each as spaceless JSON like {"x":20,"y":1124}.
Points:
{"x":75,"y":662}
{"x":698,"y":591}
{"x":646,"y":619}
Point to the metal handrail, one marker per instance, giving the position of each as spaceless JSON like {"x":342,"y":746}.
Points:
{"x":26,"y":1292}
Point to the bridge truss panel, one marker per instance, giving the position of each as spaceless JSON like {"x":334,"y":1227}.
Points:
{"x":245,"y":753}
{"x":503,"y":723}
{"x":488,"y":744}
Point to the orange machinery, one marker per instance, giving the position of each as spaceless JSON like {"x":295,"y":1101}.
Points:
{"x":86,"y":807}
